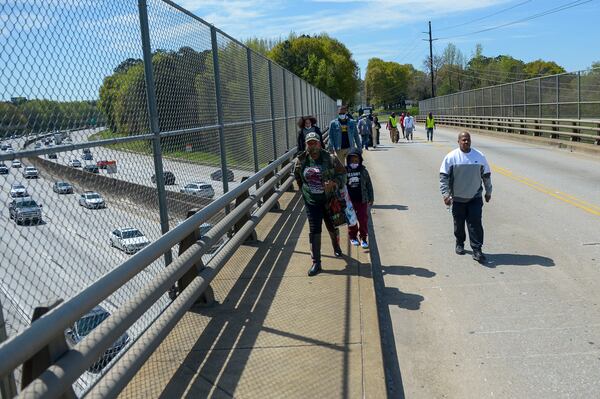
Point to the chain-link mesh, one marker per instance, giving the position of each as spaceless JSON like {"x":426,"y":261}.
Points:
{"x":73,"y":92}
{"x":567,"y":95}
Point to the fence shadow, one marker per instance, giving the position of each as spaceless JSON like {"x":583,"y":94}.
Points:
{"x":219,"y":356}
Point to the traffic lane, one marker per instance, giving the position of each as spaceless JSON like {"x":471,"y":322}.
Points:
{"x":444,"y":306}
{"x":70,"y":250}
{"x":570,"y":176}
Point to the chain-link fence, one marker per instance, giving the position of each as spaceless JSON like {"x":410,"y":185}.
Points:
{"x":116,"y":118}
{"x":565,"y":96}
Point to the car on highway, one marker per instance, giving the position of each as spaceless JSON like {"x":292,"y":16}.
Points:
{"x":201,"y":189}
{"x":3,"y":147}
{"x":169,"y":178}
{"x":91,"y":169}
{"x":218,"y":175}
{"x":16,"y":163}
{"x":87,"y":156}
{"x":10,"y":149}
{"x":18,"y":190}
{"x":62,"y":187}
{"x":84,"y":326}
{"x":128,"y":239}
{"x":30,"y":172}
{"x":25,"y":209}
{"x":38,"y":145}
{"x":92,"y":200}
{"x":52,"y":155}
{"x":3,"y":169}
{"x":102,"y":164}
{"x":75,"y":163}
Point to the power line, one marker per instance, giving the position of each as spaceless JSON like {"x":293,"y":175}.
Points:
{"x":486,"y":16}
{"x":525,"y":19}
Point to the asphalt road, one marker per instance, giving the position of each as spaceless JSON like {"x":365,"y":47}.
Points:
{"x":525,"y":324}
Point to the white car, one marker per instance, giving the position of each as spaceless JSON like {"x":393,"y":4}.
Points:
{"x":128,"y":239}
{"x":30,"y":172}
{"x":16,"y":163}
{"x":75,"y":163}
{"x":18,"y":190}
{"x":201,"y":189}
{"x":92,"y":200}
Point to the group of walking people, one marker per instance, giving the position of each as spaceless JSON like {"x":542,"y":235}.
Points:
{"x":323,"y":170}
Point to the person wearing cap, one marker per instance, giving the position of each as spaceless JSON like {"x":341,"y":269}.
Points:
{"x":307,"y":124}
{"x":318,"y":174}
{"x":343,"y":135}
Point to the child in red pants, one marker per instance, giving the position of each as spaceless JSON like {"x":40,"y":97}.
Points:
{"x":360,"y":190}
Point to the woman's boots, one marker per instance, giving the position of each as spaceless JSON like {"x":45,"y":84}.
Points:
{"x":315,"y":252}
{"x":335,"y":242}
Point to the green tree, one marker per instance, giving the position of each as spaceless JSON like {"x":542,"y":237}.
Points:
{"x":387,"y":82}
{"x":322,"y":61}
{"x":542,"y":68}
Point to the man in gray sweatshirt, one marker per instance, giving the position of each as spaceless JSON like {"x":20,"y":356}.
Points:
{"x":461,"y":174}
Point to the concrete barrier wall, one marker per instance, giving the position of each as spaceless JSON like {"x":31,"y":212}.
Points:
{"x":178,"y":203}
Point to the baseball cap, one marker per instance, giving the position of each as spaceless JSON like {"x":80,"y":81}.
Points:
{"x":311,"y":136}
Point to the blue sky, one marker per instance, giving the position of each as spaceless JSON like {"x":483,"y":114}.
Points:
{"x":62,"y":49}
{"x":391,"y":29}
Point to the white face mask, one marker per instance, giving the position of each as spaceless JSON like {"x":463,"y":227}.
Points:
{"x":354,"y":165}
{"x":342,"y":117}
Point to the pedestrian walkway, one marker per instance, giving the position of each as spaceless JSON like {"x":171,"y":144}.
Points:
{"x":276,"y":333}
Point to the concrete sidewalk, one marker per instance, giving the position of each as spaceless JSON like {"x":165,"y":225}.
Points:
{"x":276,"y":332}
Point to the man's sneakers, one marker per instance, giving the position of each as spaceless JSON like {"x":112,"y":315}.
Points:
{"x":354,"y":242}
{"x":478,"y":256}
{"x":460,"y":249}
{"x":364,"y":244}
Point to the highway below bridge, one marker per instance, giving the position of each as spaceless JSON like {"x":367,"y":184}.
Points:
{"x":524,"y":324}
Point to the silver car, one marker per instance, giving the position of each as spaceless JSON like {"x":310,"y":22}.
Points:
{"x":16,"y":163}
{"x":25,"y":210}
{"x":75,"y":163}
{"x":62,"y":187}
{"x":128,"y":239}
{"x":30,"y":172}
{"x":92,"y":200}
{"x":201,"y":189}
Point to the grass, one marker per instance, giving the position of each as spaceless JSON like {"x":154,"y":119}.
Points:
{"x":144,"y":147}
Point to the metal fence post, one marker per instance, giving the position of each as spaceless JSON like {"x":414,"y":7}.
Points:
{"x":285,"y":111}
{"x":524,"y":99}
{"x":252,"y":110}
{"x":578,"y":94}
{"x":294,"y":97}
{"x":512,"y":100}
{"x":8,"y":387}
{"x":301,"y":99}
{"x":220,"y":117}
{"x":557,"y":97}
{"x":154,"y":125}
{"x":273,"y":127}
{"x":539,"y":98}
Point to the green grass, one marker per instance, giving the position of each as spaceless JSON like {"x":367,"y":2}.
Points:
{"x":144,"y":147}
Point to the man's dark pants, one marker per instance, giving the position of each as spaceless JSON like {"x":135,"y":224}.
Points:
{"x":469,"y":212}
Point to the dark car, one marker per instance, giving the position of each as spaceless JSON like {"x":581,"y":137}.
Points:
{"x":168,"y":176}
{"x":86,"y":156}
{"x":3,"y":169}
{"x":86,"y":325}
{"x":91,"y":169}
{"x":52,"y":155}
{"x":218,"y":175}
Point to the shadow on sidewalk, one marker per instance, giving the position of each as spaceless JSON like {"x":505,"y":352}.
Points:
{"x":218,"y":359}
{"x":396,"y":207}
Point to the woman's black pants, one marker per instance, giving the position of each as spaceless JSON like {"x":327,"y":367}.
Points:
{"x":317,"y":214}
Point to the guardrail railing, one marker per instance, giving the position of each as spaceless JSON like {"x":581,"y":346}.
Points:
{"x":66,"y":367}
{"x":578,"y":130}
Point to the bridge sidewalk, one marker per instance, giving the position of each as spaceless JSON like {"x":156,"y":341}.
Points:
{"x":276,"y":332}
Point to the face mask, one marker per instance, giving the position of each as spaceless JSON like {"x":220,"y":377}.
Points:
{"x":342,"y":117}
{"x":354,"y":165}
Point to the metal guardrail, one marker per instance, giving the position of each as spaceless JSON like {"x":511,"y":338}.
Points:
{"x":57,"y":379}
{"x":578,"y":130}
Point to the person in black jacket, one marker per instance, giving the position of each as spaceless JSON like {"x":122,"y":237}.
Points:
{"x":308,"y":124}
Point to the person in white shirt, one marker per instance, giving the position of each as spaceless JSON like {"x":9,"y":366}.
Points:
{"x":461,"y":175}
{"x":409,"y":126}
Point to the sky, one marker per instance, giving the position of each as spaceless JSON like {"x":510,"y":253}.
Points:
{"x":63,"y":49}
{"x":392,"y":29}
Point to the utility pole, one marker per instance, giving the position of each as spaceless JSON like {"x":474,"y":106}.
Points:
{"x":431,"y":61}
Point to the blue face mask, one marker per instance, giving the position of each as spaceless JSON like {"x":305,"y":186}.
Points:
{"x":342,"y":117}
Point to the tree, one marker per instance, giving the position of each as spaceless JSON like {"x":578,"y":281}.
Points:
{"x":387,"y":82}
{"x":322,"y":61}
{"x":542,"y":68}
